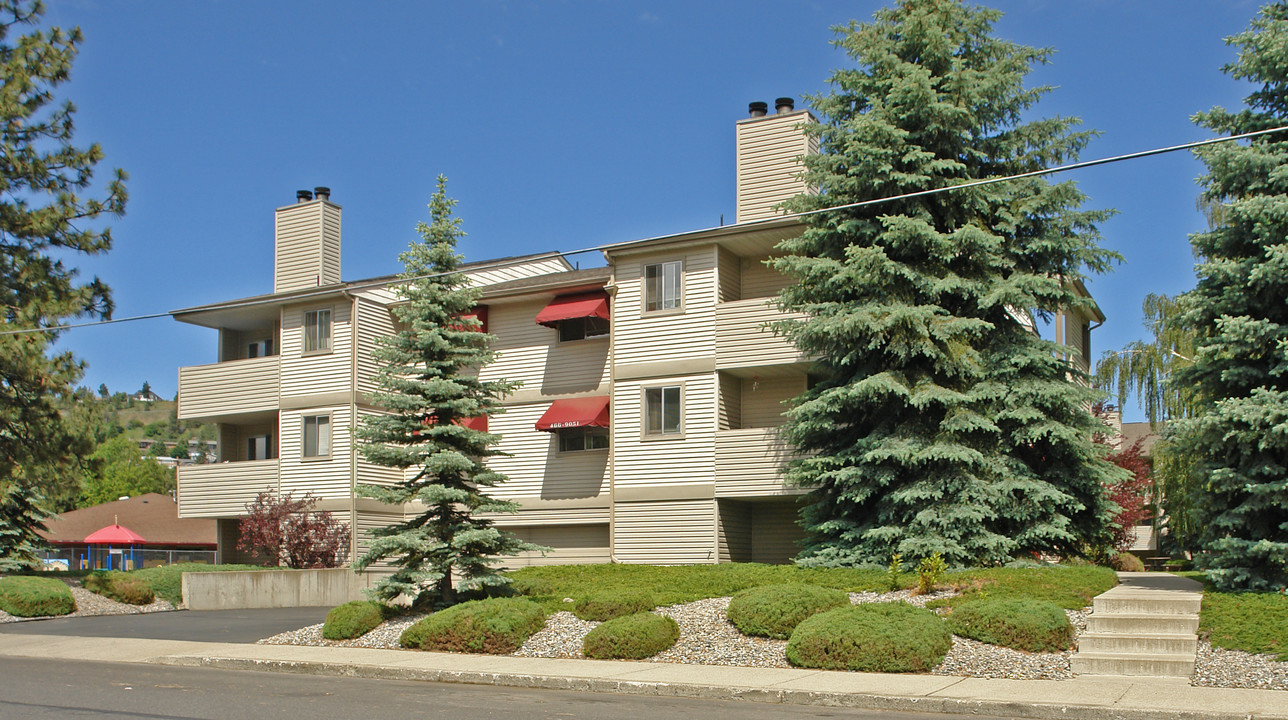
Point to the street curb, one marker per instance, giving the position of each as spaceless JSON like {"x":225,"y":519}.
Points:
{"x":866,"y":701}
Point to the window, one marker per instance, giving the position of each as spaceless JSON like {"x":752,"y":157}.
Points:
{"x":582,"y":328}
{"x":662,"y":285}
{"x":258,"y":447}
{"x":662,"y":411}
{"x":257,"y":348}
{"x":583,"y":438}
{"x":317,"y":436}
{"x":317,"y":330}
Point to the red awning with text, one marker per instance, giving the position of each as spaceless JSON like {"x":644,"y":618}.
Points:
{"x":569,"y":307}
{"x":576,"y":412}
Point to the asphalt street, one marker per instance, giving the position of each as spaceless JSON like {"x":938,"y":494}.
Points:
{"x":48,"y":689}
{"x":230,"y":626}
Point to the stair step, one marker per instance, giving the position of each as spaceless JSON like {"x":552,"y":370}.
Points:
{"x":1144,"y":602}
{"x":1131,"y":623}
{"x":1106,"y":663}
{"x":1139,"y":643}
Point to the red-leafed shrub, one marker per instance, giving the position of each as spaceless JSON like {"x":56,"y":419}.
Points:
{"x":283,"y":530}
{"x":1131,"y":493}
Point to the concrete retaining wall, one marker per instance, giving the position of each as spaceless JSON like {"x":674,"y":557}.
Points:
{"x":272,"y":588}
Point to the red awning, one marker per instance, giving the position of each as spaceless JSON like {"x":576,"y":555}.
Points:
{"x":114,"y":535}
{"x":577,"y":412}
{"x":473,"y":423}
{"x":569,"y":307}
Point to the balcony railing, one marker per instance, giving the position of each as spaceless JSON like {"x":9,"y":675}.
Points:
{"x":229,"y":388}
{"x":742,"y":340}
{"x":223,"y":489}
{"x":749,"y":463}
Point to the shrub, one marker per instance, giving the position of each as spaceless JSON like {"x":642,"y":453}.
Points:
{"x":119,"y":586}
{"x":35,"y":597}
{"x":497,"y":626}
{"x":877,"y":637}
{"x":609,"y":605}
{"x":632,"y":637}
{"x":531,"y":586}
{"x":353,"y":619}
{"x":1126,"y":562}
{"x":929,"y":572}
{"x":775,"y":610}
{"x":1031,"y":625}
{"x":894,"y":570}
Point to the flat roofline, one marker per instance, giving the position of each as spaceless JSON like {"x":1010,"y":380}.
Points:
{"x":713,"y":233}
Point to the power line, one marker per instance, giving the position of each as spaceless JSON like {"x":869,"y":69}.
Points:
{"x":776,"y":218}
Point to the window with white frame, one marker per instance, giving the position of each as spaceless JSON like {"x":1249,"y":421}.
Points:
{"x":582,"y":328}
{"x":662,"y":413}
{"x":317,"y":436}
{"x":583,"y":438}
{"x":317,"y":330}
{"x":662,"y":285}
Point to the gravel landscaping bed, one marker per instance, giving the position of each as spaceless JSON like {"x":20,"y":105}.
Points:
{"x":1218,"y":667}
{"x":88,"y":603}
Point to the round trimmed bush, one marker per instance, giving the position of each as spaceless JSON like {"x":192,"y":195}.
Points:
{"x":606,"y":606}
{"x":496,"y":626}
{"x":876,"y":637}
{"x":775,"y":610}
{"x":35,"y":597}
{"x":352,"y":620}
{"x":632,"y":637}
{"x":1127,"y":562}
{"x":1022,"y":624}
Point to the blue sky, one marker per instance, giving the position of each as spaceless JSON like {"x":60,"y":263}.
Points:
{"x":560,"y":125}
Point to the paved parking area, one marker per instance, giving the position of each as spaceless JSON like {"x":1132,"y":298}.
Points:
{"x":228,"y":626}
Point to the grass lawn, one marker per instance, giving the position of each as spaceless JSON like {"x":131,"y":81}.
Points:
{"x":1067,"y":586}
{"x":1251,"y":622}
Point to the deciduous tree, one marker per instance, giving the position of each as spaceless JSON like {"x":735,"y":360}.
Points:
{"x":289,"y":531}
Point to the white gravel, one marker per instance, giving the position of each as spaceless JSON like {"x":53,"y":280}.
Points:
{"x":1218,"y":667}
{"x":88,"y":603}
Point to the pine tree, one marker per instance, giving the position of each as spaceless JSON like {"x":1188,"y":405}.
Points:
{"x":427,"y":388}
{"x":1240,"y":371}
{"x":43,"y":219}
{"x":941,"y":422}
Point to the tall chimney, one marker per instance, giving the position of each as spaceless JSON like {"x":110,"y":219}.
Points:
{"x":769,"y":152}
{"x":306,"y":240}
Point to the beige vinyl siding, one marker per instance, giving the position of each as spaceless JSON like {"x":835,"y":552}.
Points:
{"x":759,"y":280}
{"x":729,"y":269}
{"x":223,"y":489}
{"x":569,"y":545}
{"x":748,"y":463}
{"x":535,"y":467}
{"x":316,"y":373}
{"x":307,"y":248}
{"x":763,"y":398}
{"x":326,"y":479}
{"x":532,"y":353}
{"x":768,"y":163}
{"x":530,"y":268}
{"x":665,"y":335}
{"x":1074,"y":325}
{"x":364,"y":524}
{"x":665,"y":533}
{"x":373,"y":322}
{"x":552,"y":516}
{"x":664,"y":461}
{"x":370,"y":473}
{"x":729,"y":402}
{"x":229,"y":388}
{"x":743,"y":340}
{"x":232,"y":440}
{"x":734,"y":530}
{"x":774,"y":532}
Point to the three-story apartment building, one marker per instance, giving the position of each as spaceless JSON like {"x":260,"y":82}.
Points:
{"x":646,"y":427}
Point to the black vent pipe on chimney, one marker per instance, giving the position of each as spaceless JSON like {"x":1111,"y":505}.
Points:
{"x":784,"y":105}
{"x":322,"y":193}
{"x":758,"y":109}
{"x":303,"y":196}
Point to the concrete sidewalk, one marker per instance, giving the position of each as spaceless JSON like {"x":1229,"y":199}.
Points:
{"x":1090,"y":697}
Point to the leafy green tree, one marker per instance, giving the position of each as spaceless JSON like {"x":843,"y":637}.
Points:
{"x":425,"y":389}
{"x":942,"y":422}
{"x":1144,"y":369}
{"x":118,"y":470}
{"x":1237,"y":310}
{"x":44,"y":221}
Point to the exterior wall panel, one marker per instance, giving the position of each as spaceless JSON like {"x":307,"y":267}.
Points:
{"x":665,"y":533}
{"x":775,"y":535}
{"x":223,"y":489}
{"x":320,"y":373}
{"x":748,"y":463}
{"x":535,"y":467}
{"x":325,"y":478}
{"x":569,"y":545}
{"x":763,"y":400}
{"x":663,"y":335}
{"x":742,"y":340}
{"x":673,"y":461}
{"x":229,"y":388}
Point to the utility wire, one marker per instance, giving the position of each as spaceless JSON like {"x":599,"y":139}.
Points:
{"x":776,"y":218}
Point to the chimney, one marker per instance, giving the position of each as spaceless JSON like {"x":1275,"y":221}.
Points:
{"x":306,"y":242}
{"x":769,"y":152}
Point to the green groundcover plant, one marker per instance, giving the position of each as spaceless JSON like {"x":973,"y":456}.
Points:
{"x":608,"y":605}
{"x":632,"y":637}
{"x":353,"y":619}
{"x":496,"y":626}
{"x":35,"y":597}
{"x":119,"y":586}
{"x":775,"y":610}
{"x":875,"y":637}
{"x":1030,"y":625}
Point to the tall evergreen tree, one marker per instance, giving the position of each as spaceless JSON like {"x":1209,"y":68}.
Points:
{"x":43,"y":218}
{"x":942,"y":422}
{"x":428,"y":388}
{"x":1240,"y":374}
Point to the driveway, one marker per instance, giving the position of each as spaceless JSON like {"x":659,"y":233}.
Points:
{"x":230,"y":626}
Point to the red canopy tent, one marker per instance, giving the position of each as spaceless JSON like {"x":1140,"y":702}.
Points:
{"x":115,"y":534}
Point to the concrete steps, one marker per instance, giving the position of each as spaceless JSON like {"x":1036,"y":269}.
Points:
{"x":1145,"y":626}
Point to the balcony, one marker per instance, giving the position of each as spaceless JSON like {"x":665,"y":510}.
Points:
{"x":749,"y":464}
{"x":742,"y":340}
{"x":237,"y":387}
{"x":223,"y":489}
